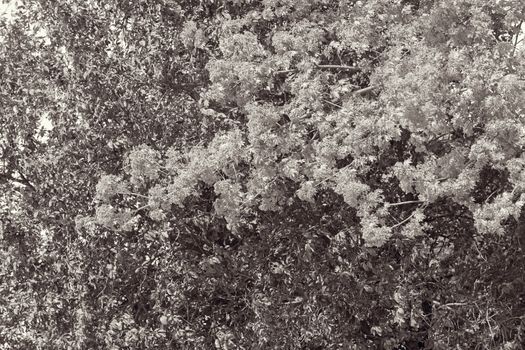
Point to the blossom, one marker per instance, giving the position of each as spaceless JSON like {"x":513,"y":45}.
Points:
{"x":109,"y":186}
{"x":142,"y":164}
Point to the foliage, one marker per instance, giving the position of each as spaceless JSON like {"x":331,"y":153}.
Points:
{"x":263,"y":175}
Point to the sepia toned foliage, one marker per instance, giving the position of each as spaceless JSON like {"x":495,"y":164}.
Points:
{"x":269,"y":174}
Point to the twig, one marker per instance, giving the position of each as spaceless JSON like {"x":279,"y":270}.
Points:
{"x":141,"y":208}
{"x":479,"y":252}
{"x":490,"y":195}
{"x":408,"y":218}
{"x":488,"y":323}
{"x":22,"y":180}
{"x":402,"y":203}
{"x":451,"y":304}
{"x":103,"y":289}
{"x":437,"y":137}
{"x":333,"y":104}
{"x":517,"y":34}
{"x":364,"y":90}
{"x":336,"y":66}
{"x":323,"y":66}
{"x":402,"y":222}
{"x":25,"y":181}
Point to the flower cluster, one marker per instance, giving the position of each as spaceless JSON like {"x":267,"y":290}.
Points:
{"x":109,"y":186}
{"x":142,"y":165}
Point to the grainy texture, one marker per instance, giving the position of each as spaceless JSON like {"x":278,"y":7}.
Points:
{"x":274,"y":174}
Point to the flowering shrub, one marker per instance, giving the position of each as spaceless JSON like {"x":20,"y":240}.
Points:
{"x":268,"y":174}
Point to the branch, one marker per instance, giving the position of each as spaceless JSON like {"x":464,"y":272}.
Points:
{"x":449,"y":215}
{"x":333,"y":104}
{"x":141,"y":208}
{"x":437,"y":137}
{"x":364,"y":91}
{"x":402,"y":203}
{"x":22,"y":181}
{"x":335,"y":66}
{"x":491,"y":195}
{"x":323,"y":66}
{"x":488,"y":323}
{"x":402,"y":222}
{"x":409,"y":217}
{"x":517,"y":34}
{"x":25,"y":181}
{"x":451,"y":304}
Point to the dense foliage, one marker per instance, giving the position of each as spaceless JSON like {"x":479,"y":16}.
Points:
{"x":274,"y":174}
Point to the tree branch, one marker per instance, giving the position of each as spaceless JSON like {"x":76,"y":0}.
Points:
{"x":25,"y":181}
{"x":402,"y":203}
{"x":409,"y":217}
{"x":335,"y":66}
{"x":323,"y":66}
{"x":22,"y":181}
{"x":517,"y":34}
{"x":451,"y":304}
{"x":364,"y":91}
{"x":332,"y":104}
{"x":404,"y":221}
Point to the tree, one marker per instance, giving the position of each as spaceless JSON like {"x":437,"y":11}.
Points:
{"x":56,"y":64}
{"x":274,"y":174}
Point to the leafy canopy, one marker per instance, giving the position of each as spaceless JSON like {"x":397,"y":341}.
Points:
{"x":267,"y":174}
